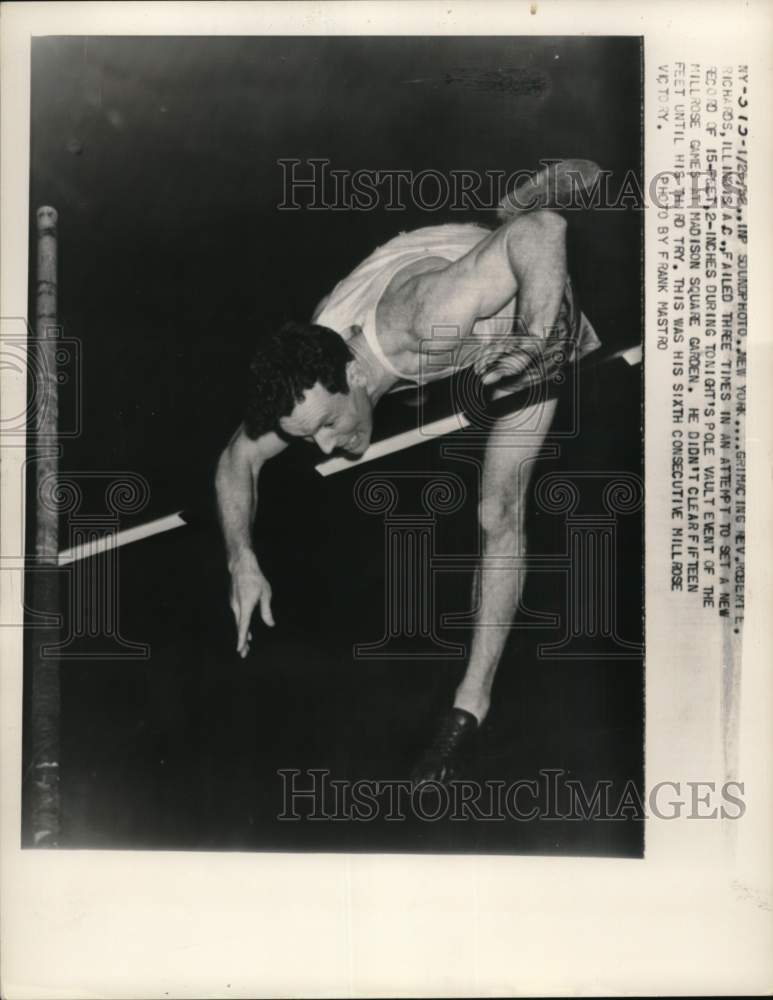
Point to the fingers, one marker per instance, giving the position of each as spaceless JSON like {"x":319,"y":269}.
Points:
{"x":265,"y":607}
{"x":244,"y":600}
{"x":505,"y":367}
{"x":486,"y":358}
{"x":492,"y":372}
{"x":244,"y":650}
{"x":497,"y":362}
{"x":493,"y":376}
{"x":529,"y":364}
{"x":243,"y":625}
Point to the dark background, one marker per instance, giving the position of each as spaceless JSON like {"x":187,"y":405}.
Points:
{"x":160,"y":155}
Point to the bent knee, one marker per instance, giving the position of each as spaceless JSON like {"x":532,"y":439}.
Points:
{"x":498,"y":516}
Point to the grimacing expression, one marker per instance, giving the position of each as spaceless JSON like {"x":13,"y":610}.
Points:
{"x":334,"y":421}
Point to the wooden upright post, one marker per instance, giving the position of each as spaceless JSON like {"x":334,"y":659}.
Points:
{"x":44,"y":579}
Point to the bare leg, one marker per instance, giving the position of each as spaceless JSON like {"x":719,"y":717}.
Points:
{"x":539,"y":265}
{"x":535,"y":246}
{"x":506,"y":474}
{"x":541,"y":271}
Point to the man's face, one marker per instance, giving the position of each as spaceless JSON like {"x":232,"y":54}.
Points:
{"x":342,"y":421}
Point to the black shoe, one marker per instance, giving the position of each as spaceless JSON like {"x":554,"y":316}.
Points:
{"x":445,"y":758}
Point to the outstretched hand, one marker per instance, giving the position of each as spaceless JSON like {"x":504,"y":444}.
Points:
{"x":249,"y":588}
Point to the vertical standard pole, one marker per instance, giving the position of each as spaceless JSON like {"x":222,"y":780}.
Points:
{"x":45,"y":700}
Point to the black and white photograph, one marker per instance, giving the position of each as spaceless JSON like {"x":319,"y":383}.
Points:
{"x":384,"y":562}
{"x":349,"y":489}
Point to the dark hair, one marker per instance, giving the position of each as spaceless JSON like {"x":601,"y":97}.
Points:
{"x":285,"y":365}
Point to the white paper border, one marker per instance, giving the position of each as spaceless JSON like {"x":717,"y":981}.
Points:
{"x":153,"y":924}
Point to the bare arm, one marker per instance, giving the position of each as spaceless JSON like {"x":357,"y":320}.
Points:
{"x":236,"y":485}
{"x":526,"y":257}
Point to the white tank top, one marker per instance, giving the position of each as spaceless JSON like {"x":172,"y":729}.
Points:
{"x":354,"y":300}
